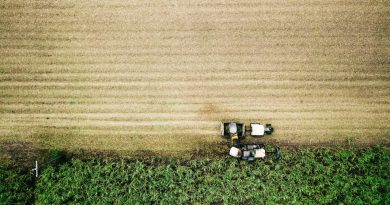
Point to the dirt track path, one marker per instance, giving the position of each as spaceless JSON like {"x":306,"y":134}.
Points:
{"x":161,"y":75}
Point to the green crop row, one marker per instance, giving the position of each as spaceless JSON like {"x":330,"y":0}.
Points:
{"x":308,"y":176}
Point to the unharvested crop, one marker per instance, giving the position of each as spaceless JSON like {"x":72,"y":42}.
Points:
{"x":307,"y":176}
{"x":16,"y":186}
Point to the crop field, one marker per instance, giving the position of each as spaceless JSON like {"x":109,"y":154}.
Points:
{"x":161,"y":75}
{"x":304,"y":176}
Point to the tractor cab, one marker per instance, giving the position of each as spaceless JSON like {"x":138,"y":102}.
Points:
{"x":259,"y":130}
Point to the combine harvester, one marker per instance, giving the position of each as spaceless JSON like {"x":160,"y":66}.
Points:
{"x":236,"y":131}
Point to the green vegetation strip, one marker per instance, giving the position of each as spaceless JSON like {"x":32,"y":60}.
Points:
{"x":308,"y":176}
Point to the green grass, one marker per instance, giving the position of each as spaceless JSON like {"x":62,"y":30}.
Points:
{"x":316,"y":175}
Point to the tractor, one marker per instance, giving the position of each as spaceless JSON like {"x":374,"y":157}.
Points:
{"x":236,"y":131}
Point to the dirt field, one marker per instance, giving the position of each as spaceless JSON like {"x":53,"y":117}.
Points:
{"x":161,"y":75}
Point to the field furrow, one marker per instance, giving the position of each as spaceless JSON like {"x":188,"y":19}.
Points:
{"x":161,"y":75}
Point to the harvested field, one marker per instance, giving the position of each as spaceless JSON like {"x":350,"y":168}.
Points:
{"x":160,"y":75}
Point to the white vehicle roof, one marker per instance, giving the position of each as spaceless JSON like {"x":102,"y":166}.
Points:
{"x":235,"y":152}
{"x":259,"y":153}
{"x":233,"y":128}
{"x":257,"y":129}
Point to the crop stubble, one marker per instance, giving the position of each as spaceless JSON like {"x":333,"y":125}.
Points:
{"x":161,"y":75}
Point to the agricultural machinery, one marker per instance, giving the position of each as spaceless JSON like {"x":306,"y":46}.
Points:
{"x":236,"y":131}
